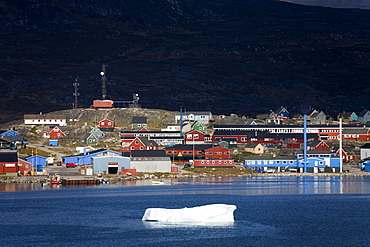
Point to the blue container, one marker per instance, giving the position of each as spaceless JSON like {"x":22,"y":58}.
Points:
{"x":53,"y":143}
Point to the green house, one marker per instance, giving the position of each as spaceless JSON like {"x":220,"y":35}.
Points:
{"x":97,"y":132}
{"x":139,"y":122}
{"x":89,"y":139}
{"x":198,"y":126}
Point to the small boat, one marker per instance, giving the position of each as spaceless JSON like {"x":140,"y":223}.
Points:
{"x":55,"y":180}
{"x":157,"y":182}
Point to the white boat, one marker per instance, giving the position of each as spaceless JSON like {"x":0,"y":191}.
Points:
{"x":207,"y":213}
{"x":157,"y":182}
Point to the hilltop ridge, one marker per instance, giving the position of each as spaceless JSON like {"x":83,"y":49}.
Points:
{"x":225,"y":56}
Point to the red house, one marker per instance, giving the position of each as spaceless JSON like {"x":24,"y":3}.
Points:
{"x":142,"y":143}
{"x":106,"y":125}
{"x":218,"y":152}
{"x":195,"y":137}
{"x":24,"y":166}
{"x":317,"y":145}
{"x":8,"y":161}
{"x":345,"y":156}
{"x":214,"y":163}
{"x":55,"y":132}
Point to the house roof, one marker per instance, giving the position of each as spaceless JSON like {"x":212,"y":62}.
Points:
{"x":315,"y":152}
{"x":8,"y":156}
{"x":367,"y":145}
{"x":87,"y":135}
{"x":137,"y":120}
{"x":197,"y":113}
{"x":255,"y":157}
{"x":252,"y":145}
{"x":44,"y":116}
{"x":148,"y":153}
{"x":147,"y":142}
{"x":356,"y":131}
{"x":191,"y":147}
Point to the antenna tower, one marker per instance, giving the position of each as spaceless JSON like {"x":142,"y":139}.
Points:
{"x":104,"y":80}
{"x":76,"y":93}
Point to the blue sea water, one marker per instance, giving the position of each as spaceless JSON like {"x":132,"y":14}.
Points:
{"x":271,"y":211}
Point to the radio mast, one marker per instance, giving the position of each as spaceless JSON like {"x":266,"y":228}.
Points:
{"x":76,"y":93}
{"x":104,"y":80}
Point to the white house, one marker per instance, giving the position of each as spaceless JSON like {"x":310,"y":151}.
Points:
{"x":203,"y":117}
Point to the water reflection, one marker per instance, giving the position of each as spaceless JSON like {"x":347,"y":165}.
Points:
{"x":227,"y":185}
{"x":155,"y":224}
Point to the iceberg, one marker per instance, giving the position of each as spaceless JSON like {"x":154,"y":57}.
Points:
{"x":207,"y":213}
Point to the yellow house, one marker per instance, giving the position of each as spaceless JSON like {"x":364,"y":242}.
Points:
{"x":256,"y":148}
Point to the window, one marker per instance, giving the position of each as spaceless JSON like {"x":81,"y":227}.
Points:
{"x":141,"y":148}
{"x":196,"y":136}
{"x":188,"y":136}
{"x":109,"y":123}
{"x":136,"y":142}
{"x":102,"y":123}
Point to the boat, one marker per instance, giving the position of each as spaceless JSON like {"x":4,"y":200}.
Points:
{"x":55,"y":180}
{"x":157,"y":182}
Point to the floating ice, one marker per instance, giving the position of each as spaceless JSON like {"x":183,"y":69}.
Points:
{"x":207,"y":213}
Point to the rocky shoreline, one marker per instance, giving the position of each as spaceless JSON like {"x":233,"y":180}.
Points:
{"x":116,"y":179}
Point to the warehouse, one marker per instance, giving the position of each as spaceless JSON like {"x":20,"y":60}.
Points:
{"x":110,"y":164}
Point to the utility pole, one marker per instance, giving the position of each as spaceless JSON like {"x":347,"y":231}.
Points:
{"x":76,"y":93}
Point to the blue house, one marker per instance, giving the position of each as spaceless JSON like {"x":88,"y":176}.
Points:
{"x":37,"y":161}
{"x":365,"y":165}
{"x":97,"y":132}
{"x":317,"y":161}
{"x":82,"y":159}
{"x":9,"y":133}
{"x":282,"y":112}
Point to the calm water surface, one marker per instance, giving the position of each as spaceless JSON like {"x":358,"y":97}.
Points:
{"x":286,"y":211}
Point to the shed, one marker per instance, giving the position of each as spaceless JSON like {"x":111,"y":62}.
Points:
{"x":53,"y":142}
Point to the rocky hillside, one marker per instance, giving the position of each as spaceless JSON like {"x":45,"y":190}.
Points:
{"x":232,"y":56}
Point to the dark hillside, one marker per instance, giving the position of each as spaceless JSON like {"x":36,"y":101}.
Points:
{"x":233,"y":56}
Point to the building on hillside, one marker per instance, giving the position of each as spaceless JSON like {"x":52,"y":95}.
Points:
{"x":150,"y":161}
{"x":89,"y":139}
{"x":255,"y":148}
{"x":198,"y":127}
{"x":106,"y":125}
{"x":194,"y":137}
{"x":364,"y":116}
{"x":219,"y":163}
{"x":142,"y":143}
{"x":317,"y":145}
{"x":187,"y":152}
{"x":217,"y":152}
{"x":97,"y":132}
{"x":203,"y":117}
{"x":318,"y":118}
{"x":45,"y":119}
{"x":362,"y":134}
{"x":54,"y":133}
{"x":139,"y":122}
